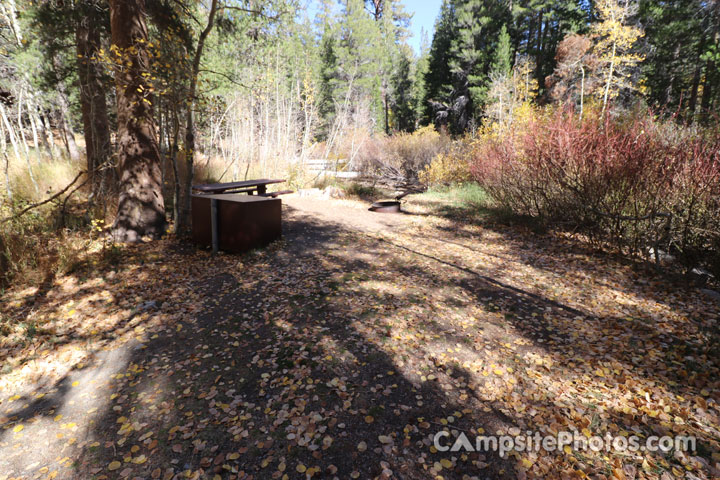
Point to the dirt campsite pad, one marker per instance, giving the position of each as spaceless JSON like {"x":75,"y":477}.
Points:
{"x":343,"y":350}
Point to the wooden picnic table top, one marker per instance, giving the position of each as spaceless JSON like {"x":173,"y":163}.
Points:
{"x":234,"y":197}
{"x":221,"y":187}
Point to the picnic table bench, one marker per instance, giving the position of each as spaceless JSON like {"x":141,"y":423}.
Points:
{"x":226,"y":220}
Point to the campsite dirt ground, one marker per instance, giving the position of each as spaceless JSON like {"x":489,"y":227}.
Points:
{"x":342,"y":350}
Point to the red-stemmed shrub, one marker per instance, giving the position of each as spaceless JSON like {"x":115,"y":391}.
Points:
{"x":635,"y":182}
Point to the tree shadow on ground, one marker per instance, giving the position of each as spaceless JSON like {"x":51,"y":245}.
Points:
{"x":670,"y":361}
{"x":553,"y":251}
{"x":275,"y":370}
{"x":331,"y":338}
{"x":272,"y":371}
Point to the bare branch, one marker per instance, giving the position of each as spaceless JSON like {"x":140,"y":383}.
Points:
{"x":48,"y":200}
{"x":226,"y":76}
{"x":259,"y":13}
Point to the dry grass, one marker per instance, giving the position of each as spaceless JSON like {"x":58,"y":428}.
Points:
{"x":44,"y":242}
{"x":49,"y":174}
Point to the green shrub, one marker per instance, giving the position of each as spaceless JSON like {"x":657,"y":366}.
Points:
{"x":360,"y":190}
{"x":448,"y":168}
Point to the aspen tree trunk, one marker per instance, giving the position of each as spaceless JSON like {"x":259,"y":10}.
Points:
{"x":582,"y":91}
{"x":8,"y":188}
{"x":21,"y":128}
{"x":11,"y":134}
{"x":16,"y":149}
{"x":33,"y":127}
{"x":47,"y":135}
{"x":609,"y":78}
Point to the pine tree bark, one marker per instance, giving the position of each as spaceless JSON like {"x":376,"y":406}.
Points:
{"x":96,"y":127}
{"x":141,"y":207}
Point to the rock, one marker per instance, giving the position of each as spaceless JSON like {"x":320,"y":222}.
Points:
{"x":149,"y":305}
{"x":333,"y":192}
{"x":711,"y":293}
{"x":700,"y":276}
{"x":664,"y":257}
{"x":309,"y":192}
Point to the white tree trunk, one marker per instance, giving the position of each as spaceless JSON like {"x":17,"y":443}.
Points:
{"x":609,"y":77}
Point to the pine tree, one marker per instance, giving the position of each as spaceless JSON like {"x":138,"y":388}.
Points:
{"x":327,"y":83}
{"x":402,"y":103}
{"x":438,"y":82}
{"x":502,"y":64}
{"x":464,"y":44}
{"x":84,"y":24}
{"x":419,"y":86}
{"x":679,"y":41}
{"x":539,"y":25}
{"x":501,"y":92}
{"x":360,"y":61}
{"x":470,"y":61}
{"x":326,"y":69}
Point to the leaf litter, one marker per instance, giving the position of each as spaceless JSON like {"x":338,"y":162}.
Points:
{"x":342,"y":350}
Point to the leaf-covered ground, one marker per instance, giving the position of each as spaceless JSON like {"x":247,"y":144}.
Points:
{"x":342,"y":350}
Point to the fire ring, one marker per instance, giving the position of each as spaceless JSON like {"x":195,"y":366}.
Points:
{"x":389,"y":206}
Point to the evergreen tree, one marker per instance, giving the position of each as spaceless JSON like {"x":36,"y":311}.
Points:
{"x":539,"y":25}
{"x":360,"y":62}
{"x":141,"y":207}
{"x":419,"y":87}
{"x":503,"y":54}
{"x":327,"y":68}
{"x":402,"y":103}
{"x":328,"y":83}
{"x":472,"y":55}
{"x":501,"y":93}
{"x":438,"y":83}
{"x":680,"y":38}
{"x":84,"y":24}
{"x":465,"y":44}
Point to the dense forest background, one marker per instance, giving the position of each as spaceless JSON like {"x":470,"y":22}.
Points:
{"x":164,"y":93}
{"x":276,"y":78}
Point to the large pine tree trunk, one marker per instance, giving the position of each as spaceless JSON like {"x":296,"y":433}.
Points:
{"x":96,"y":127}
{"x":141,"y":209}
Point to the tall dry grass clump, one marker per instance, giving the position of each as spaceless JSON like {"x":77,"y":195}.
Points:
{"x":48,"y":239}
{"x":402,"y":156}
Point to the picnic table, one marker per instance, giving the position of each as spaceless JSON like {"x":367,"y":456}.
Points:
{"x":226,"y":220}
{"x":246,"y":186}
{"x":235,"y":223}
